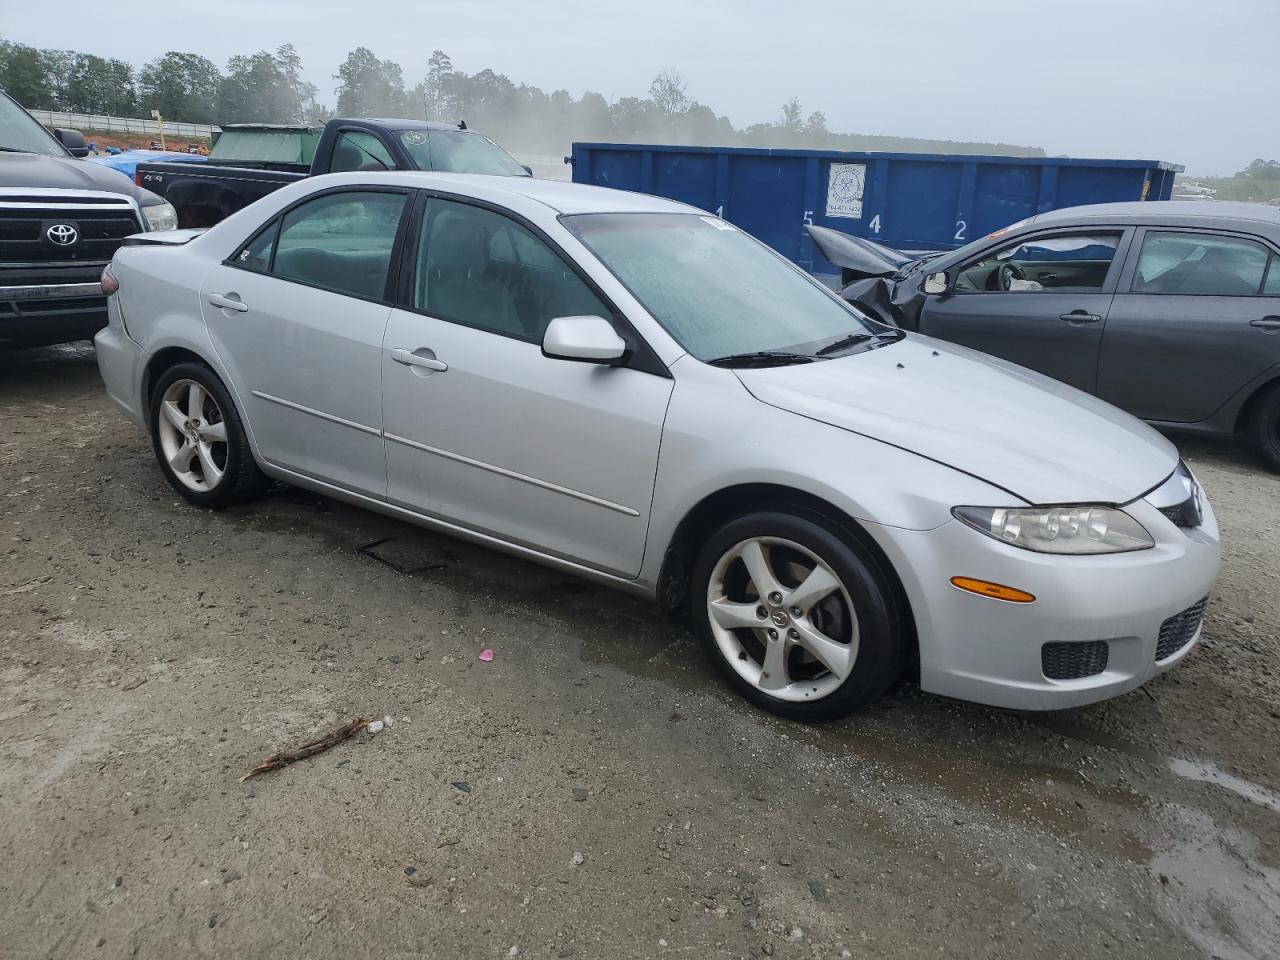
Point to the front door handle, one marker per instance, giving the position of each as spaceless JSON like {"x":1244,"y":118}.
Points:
{"x":422,"y":357}
{"x":1079,"y":316}
{"x":229,"y":301}
{"x":1266,"y":323}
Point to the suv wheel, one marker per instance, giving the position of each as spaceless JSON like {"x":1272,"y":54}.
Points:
{"x":797,"y":615}
{"x":199,"y":439}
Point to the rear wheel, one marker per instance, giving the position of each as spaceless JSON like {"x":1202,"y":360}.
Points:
{"x":1264,"y":427}
{"x":797,"y":615}
{"x":199,"y":439}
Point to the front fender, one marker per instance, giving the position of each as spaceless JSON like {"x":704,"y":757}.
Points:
{"x":717,"y":437}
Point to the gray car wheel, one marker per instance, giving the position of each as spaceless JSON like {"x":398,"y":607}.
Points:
{"x":797,"y":614}
{"x":199,"y":439}
{"x":1264,"y":427}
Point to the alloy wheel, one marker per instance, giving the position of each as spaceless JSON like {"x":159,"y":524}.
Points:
{"x":782,"y":619}
{"x":193,"y":435}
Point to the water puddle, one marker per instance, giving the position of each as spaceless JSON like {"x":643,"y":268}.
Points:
{"x":1206,"y":772}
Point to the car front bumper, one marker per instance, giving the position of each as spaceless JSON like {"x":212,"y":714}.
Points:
{"x":990,"y":651}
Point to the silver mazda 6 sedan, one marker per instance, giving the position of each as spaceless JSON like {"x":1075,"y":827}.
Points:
{"x":634,"y":391}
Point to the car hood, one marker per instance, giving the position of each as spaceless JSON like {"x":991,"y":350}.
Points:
{"x":857,"y":257}
{"x":1039,"y":439}
{"x":34,"y":172}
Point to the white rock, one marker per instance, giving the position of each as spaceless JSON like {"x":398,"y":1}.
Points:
{"x":375,"y":726}
{"x":577,"y":859}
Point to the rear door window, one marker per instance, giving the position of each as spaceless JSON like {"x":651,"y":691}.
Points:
{"x":1200,"y":264}
{"x":1072,"y":262}
{"x":340,"y":242}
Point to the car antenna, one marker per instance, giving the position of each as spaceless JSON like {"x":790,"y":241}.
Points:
{"x":462,"y":124}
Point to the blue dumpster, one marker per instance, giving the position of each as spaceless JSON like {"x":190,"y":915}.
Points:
{"x":905,"y":200}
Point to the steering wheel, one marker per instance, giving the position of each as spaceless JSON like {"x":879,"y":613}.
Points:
{"x":1007,"y":273}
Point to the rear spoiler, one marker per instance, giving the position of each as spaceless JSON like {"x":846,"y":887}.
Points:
{"x":163,"y":238}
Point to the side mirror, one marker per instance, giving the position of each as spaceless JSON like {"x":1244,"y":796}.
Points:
{"x":936,"y":283}
{"x":73,"y":140}
{"x":527,"y":169}
{"x":588,"y":339}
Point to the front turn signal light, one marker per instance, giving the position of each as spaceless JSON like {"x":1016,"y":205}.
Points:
{"x":996,"y":591}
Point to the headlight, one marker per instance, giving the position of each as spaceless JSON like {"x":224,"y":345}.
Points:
{"x":161,"y":216}
{"x":1082,"y":529}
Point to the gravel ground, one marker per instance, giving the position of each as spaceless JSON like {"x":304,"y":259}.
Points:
{"x":591,"y":792}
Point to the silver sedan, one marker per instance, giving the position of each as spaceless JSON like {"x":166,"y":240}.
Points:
{"x":635,"y":391}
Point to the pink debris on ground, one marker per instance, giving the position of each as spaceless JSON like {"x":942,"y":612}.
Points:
{"x":486,"y":655}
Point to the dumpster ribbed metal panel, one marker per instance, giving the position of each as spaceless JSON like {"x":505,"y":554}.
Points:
{"x":905,"y":200}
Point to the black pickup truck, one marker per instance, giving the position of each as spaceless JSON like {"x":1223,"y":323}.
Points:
{"x":61,"y":219}
{"x":248,"y":161}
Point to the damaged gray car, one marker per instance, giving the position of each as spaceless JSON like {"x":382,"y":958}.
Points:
{"x":1169,"y":310}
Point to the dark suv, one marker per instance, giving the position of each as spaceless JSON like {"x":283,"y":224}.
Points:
{"x":61,"y":219}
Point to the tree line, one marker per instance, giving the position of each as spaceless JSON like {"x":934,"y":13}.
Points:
{"x":267,"y":87}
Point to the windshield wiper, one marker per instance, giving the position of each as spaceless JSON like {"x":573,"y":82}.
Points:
{"x":852,"y":340}
{"x":761,"y":358}
{"x":13,"y":150}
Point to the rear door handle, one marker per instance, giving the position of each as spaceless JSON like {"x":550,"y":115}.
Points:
{"x":422,"y":357}
{"x":1266,"y":323}
{"x":228,"y":301}
{"x":1079,"y":316}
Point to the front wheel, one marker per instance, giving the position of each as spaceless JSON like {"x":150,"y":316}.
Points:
{"x":796,"y":614}
{"x":199,"y":439}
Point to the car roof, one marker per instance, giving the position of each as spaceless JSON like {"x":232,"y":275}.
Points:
{"x":559,"y":195}
{"x":1183,"y":212}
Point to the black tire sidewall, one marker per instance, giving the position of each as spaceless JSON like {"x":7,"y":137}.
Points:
{"x":227,"y":490}
{"x":1264,"y":428}
{"x":879,"y":660}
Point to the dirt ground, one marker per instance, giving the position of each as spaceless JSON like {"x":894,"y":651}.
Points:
{"x":591,"y":792}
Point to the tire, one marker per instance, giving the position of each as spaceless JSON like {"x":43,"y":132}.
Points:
{"x":205,"y":456}
{"x":1264,"y":428}
{"x":858,"y":618}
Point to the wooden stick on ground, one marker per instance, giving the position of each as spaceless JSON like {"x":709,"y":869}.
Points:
{"x":319,"y":745}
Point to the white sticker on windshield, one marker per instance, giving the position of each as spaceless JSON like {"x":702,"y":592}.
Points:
{"x":717,"y":223}
{"x":845,"y":184}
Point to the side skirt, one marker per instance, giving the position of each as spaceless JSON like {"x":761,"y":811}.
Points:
{"x":636,"y":587}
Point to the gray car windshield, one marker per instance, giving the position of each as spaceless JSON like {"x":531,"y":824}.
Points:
{"x":717,"y":291}
{"x":20,"y":133}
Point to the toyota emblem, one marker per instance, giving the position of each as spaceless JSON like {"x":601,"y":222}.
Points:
{"x":63,"y":234}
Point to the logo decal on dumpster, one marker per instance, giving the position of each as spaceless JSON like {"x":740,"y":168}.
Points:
{"x":63,"y":234}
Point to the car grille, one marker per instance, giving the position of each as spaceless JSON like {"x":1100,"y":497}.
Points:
{"x":24,"y":239}
{"x":1177,"y":631}
{"x":1071,"y":661}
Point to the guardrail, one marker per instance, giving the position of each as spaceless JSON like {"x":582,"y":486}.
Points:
{"x":93,"y":121}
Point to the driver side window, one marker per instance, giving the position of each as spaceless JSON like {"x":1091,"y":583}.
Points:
{"x":1075,"y":262}
{"x":357,"y":150}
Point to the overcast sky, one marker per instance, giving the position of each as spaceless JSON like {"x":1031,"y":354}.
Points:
{"x":1187,"y":81}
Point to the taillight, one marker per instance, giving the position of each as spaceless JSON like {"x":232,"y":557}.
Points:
{"x":137,"y":177}
{"x":109,"y":282}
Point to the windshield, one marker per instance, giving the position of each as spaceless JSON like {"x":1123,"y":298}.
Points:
{"x":19,"y":131}
{"x":716,"y":290}
{"x":457,"y":151}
